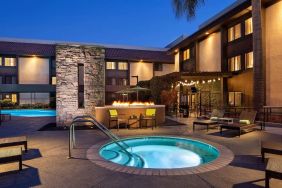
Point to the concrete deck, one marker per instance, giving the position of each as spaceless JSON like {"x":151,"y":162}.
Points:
{"x":46,"y":163}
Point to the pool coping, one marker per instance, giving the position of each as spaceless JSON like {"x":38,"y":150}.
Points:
{"x":225,"y":157}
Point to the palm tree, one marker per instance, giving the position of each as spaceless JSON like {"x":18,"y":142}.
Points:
{"x":186,"y":8}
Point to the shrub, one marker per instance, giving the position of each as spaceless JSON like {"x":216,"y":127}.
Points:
{"x":34,"y":106}
{"x":160,"y":83}
{"x":7,"y":103}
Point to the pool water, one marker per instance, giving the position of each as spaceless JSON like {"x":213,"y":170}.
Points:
{"x":30,"y":112}
{"x":160,"y":152}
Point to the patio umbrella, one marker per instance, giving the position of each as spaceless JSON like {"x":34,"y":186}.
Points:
{"x":124,"y":92}
{"x":137,"y":89}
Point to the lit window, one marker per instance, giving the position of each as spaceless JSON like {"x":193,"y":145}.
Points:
{"x":248,"y":26}
{"x":235,"y":99}
{"x":186,"y":54}
{"x":14,"y":98}
{"x":234,"y":63}
{"x":54,"y":80}
{"x":0,"y":61}
{"x":10,"y":62}
{"x":122,"y":66}
{"x":10,"y":97}
{"x":234,"y":32}
{"x":111,"y":65}
{"x":249,"y":58}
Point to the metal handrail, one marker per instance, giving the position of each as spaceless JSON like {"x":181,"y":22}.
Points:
{"x":72,"y":136}
{"x":103,"y":127}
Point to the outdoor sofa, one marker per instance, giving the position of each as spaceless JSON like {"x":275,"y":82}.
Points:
{"x":208,"y":121}
{"x":245,"y":123}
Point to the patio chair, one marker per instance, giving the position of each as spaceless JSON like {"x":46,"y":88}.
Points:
{"x":245,"y":123}
{"x":150,"y":115}
{"x":211,"y":120}
{"x":114,"y":117}
{"x":270,"y":147}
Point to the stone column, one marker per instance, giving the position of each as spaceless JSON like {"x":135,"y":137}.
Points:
{"x":67,"y":59}
{"x":259,"y":57}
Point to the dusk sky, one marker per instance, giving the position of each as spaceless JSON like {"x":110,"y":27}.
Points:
{"x":149,"y":23}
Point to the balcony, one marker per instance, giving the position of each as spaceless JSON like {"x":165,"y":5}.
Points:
{"x":32,"y":88}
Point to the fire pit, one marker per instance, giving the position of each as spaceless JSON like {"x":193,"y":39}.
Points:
{"x":127,"y":110}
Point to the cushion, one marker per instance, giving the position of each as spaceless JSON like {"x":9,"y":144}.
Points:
{"x":244,"y":121}
{"x":214,"y":118}
{"x":151,"y":112}
{"x":113,"y":113}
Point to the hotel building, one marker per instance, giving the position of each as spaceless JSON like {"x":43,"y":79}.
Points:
{"x":241,"y":47}
{"x":234,"y":59}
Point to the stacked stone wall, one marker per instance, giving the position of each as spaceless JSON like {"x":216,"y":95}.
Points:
{"x":67,"y":59}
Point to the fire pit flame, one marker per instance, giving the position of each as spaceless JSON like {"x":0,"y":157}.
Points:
{"x":118,"y":103}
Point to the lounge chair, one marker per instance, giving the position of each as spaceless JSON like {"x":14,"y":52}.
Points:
{"x":209,"y":120}
{"x":273,"y":170}
{"x":150,"y":115}
{"x":246,"y":123}
{"x":270,"y":147}
{"x":14,"y":141}
{"x":9,"y":155}
{"x":114,"y":117}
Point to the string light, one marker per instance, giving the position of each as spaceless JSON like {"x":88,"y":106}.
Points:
{"x":192,"y":82}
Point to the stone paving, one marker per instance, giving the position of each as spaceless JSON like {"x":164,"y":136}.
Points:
{"x":46,"y":163}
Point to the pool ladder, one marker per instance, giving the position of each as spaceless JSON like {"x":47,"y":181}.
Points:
{"x":92,"y":120}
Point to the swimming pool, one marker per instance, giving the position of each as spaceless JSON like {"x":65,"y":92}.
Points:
{"x":30,"y":112}
{"x":160,"y":152}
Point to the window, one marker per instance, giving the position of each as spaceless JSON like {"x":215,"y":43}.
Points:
{"x":10,"y":80}
{"x":14,"y":98}
{"x":54,"y":80}
{"x":248,"y":26}
{"x":234,"y":63}
{"x":249,"y":59}
{"x":235,"y":99}
{"x":122,"y":66}
{"x":158,"y":66}
{"x":0,"y":61}
{"x":123,"y":82}
{"x":10,"y":97}
{"x":80,"y":86}
{"x":113,"y":82}
{"x":111,"y":65}
{"x":186,"y":54}
{"x":9,"y":62}
{"x":234,"y":32}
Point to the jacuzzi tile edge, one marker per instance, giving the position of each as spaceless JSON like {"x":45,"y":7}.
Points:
{"x":226,"y":156}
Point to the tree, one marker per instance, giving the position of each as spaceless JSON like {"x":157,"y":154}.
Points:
{"x":186,"y":8}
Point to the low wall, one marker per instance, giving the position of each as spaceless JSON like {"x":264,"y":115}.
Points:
{"x":102,"y":113}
